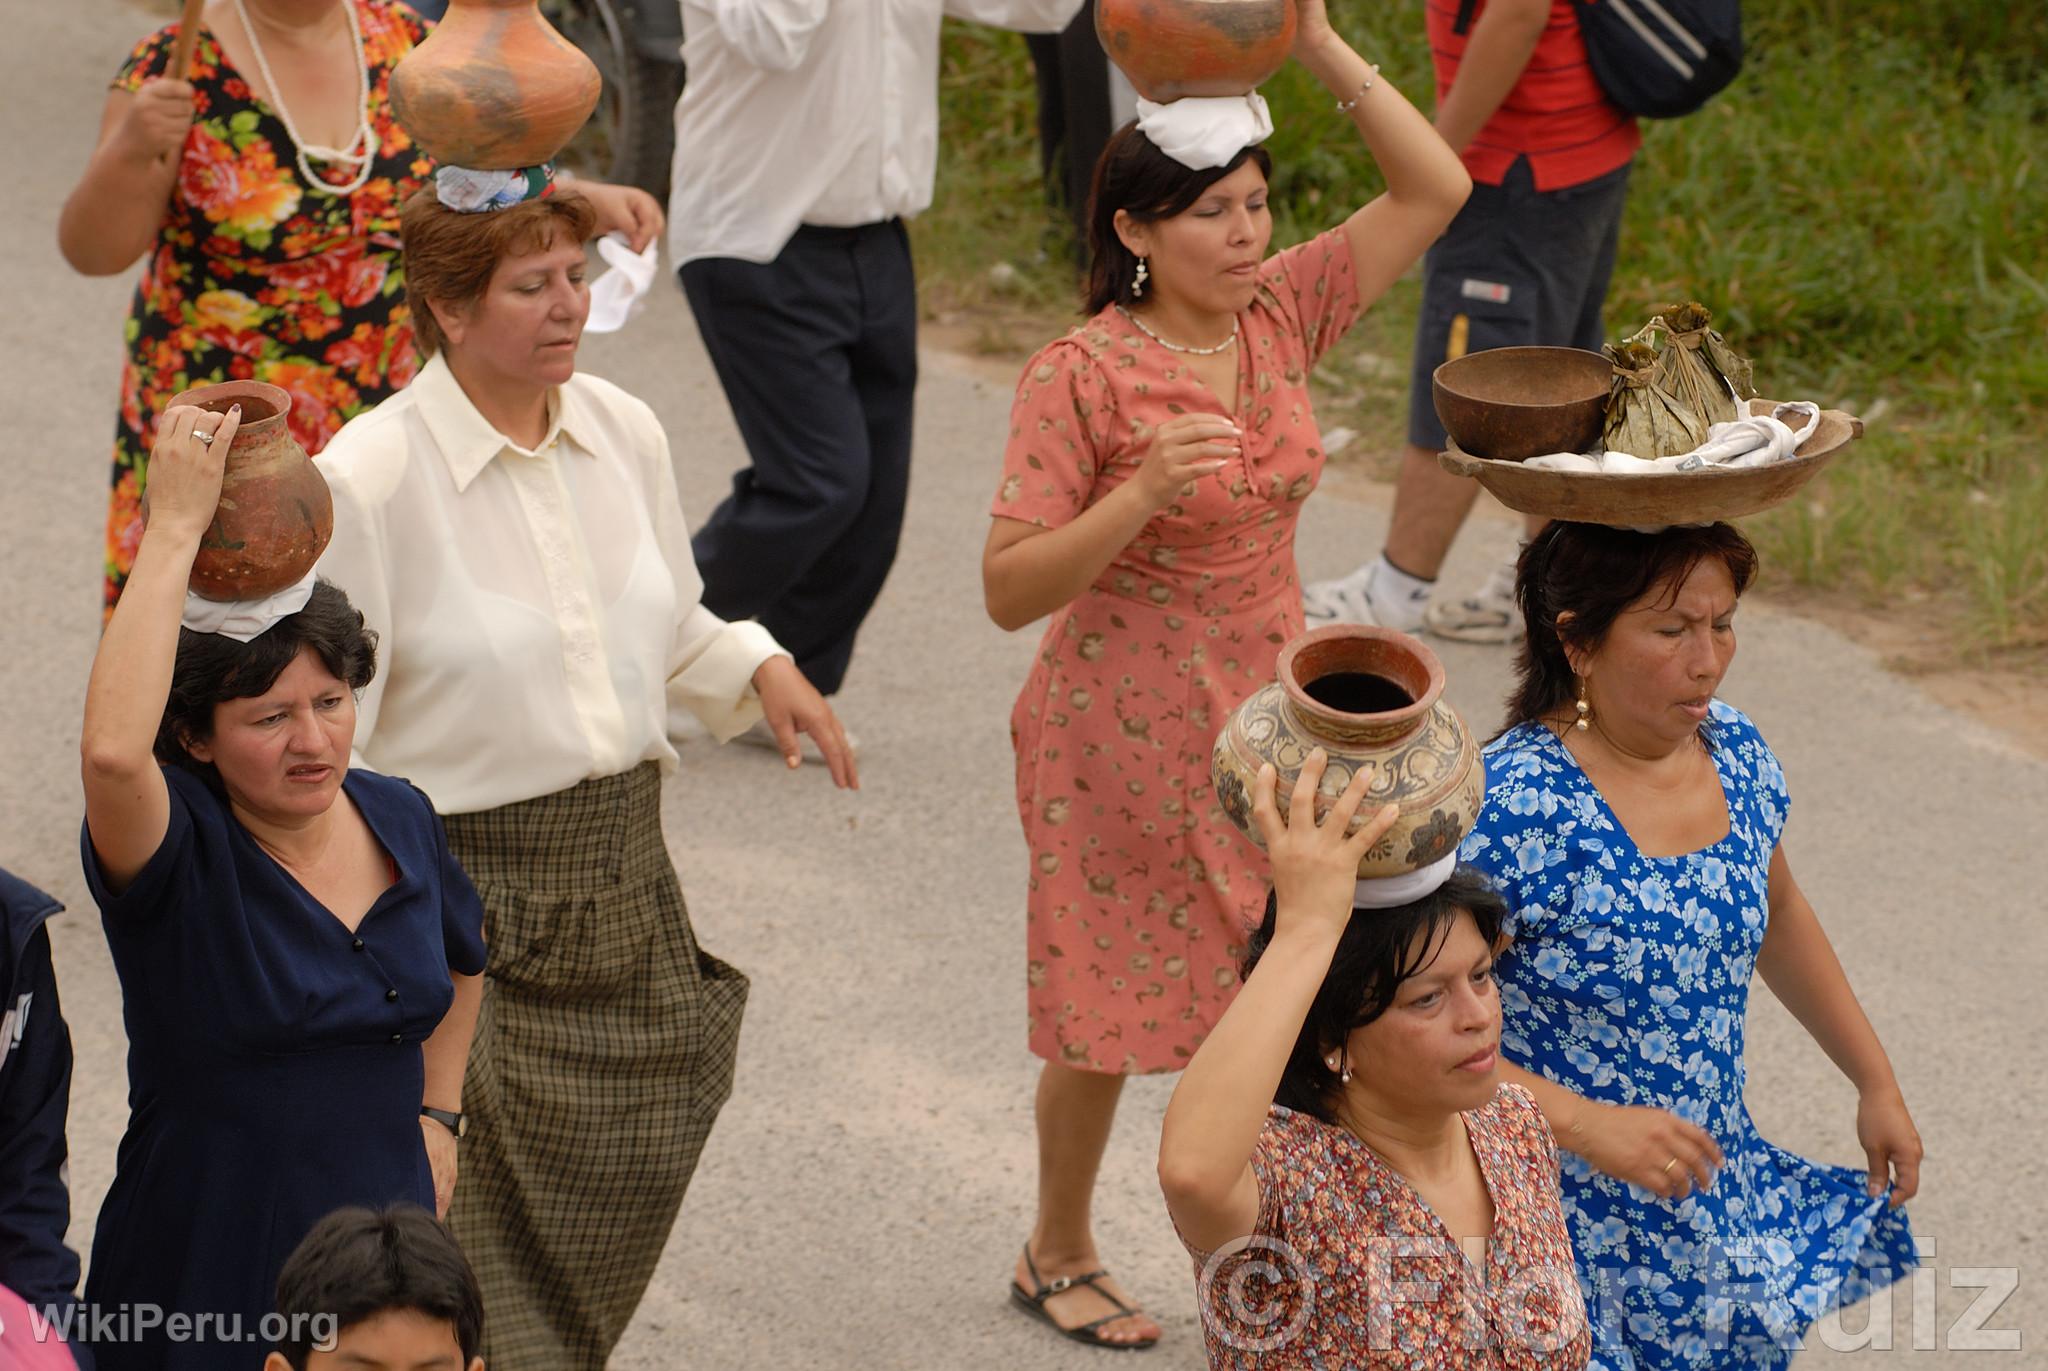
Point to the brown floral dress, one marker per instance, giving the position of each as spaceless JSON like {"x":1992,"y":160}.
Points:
{"x":256,"y":277}
{"x":1349,"y":1267}
{"x":1141,"y":892}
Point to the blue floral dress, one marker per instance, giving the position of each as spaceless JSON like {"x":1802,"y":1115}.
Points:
{"x":1628,"y":982}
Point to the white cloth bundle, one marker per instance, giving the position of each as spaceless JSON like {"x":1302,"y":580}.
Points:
{"x":1385,"y":892}
{"x":1206,"y":131}
{"x":1753,"y":442}
{"x":243,"y":620}
{"x":620,"y":293}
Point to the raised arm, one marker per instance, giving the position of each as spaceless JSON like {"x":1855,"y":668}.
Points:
{"x":114,"y":211}
{"x":1213,"y":1120}
{"x":1025,"y":16}
{"x":127,"y":807}
{"x":1426,"y":183}
{"x":1799,"y":964}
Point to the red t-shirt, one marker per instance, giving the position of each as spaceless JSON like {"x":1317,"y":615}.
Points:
{"x":1556,"y":114}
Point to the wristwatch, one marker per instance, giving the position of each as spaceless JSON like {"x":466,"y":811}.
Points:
{"x":458,"y":1124}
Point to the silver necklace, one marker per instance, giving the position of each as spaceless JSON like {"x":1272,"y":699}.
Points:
{"x":362,"y":161}
{"x":1227,"y":343}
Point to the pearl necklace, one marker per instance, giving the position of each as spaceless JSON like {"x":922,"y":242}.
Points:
{"x":362,"y":161}
{"x":1229,"y":342}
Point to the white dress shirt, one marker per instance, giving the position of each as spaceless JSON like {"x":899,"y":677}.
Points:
{"x":818,"y":112}
{"x":537,"y":613}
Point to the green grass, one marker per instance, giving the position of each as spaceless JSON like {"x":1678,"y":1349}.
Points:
{"x":1866,"y":211}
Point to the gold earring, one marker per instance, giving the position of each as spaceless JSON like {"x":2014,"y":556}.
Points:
{"x":1585,"y":719}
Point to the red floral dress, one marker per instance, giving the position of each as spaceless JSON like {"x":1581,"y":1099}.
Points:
{"x":1141,"y":892}
{"x":255,"y":277}
{"x":1348,"y":1267}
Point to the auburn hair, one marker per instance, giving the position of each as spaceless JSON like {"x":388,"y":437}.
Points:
{"x":449,"y":256}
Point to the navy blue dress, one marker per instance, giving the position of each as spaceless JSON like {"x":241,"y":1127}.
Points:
{"x":274,"y":1064}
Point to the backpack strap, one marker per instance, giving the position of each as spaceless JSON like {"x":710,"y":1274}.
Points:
{"x":1463,"y":24}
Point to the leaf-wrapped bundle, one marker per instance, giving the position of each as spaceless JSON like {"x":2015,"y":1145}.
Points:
{"x":1643,"y":417}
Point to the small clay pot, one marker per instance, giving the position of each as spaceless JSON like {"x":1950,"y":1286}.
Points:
{"x":1172,"y":49}
{"x":1366,"y":696}
{"x":275,"y":513}
{"x":494,"y":87}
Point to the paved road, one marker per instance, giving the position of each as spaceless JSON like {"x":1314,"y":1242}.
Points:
{"x":864,"y":1194}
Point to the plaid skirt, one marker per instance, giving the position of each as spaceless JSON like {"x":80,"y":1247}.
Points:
{"x":603,"y":1052}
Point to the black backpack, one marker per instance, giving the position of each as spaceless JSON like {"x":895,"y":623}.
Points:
{"x":1656,"y":58}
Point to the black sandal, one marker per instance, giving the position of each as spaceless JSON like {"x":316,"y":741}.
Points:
{"x":1033,"y":1302}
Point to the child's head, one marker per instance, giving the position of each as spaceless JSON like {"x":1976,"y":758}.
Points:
{"x":1408,"y":1005}
{"x":372,"y":1290}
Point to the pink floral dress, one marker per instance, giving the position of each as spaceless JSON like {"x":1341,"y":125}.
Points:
{"x":1141,"y":891}
{"x":1348,"y":1266}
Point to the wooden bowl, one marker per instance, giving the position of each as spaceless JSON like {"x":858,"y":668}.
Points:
{"x":1659,"y":499}
{"x":1510,"y":404}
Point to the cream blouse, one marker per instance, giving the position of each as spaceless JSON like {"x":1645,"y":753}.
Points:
{"x":538,"y":613}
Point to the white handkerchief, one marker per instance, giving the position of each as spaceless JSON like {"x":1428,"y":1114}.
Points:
{"x":620,"y":293}
{"x":1206,"y":131}
{"x":243,"y":620}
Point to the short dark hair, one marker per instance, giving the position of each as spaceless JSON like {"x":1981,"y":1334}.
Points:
{"x":212,"y":668}
{"x":1134,"y":176}
{"x":449,"y":255}
{"x":1594,"y":573}
{"x":1379,"y":949}
{"x":358,"y":1263}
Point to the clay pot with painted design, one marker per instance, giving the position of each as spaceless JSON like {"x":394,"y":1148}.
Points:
{"x":494,"y":87}
{"x":275,"y":513}
{"x":1172,"y":49}
{"x":1366,"y":696}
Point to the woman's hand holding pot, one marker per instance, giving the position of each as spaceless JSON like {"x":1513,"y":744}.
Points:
{"x":1315,"y":866}
{"x":186,"y":464}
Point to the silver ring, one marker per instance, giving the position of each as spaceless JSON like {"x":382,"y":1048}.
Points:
{"x":202,"y":437}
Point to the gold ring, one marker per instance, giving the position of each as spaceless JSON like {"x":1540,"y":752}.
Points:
{"x":1668,"y":1165}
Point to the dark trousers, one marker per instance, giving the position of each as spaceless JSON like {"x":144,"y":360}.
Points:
{"x":817,"y":352}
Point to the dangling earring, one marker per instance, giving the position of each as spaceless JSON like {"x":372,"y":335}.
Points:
{"x":1341,"y":1065}
{"x":1585,"y":719}
{"x":1138,"y":285}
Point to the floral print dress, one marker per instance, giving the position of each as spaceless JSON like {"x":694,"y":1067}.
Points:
{"x":1141,"y":892}
{"x":1349,"y":1268}
{"x":256,"y":277}
{"x":1628,"y":981}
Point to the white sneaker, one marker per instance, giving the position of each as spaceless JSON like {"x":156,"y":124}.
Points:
{"x":1488,"y":616}
{"x":1353,"y":600}
{"x":759,"y":734}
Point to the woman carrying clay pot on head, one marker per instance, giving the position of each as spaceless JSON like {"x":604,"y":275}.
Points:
{"x":300,"y":957}
{"x":262,"y":184}
{"x":1157,"y":461}
{"x":510,"y":528}
{"x":1356,"y":1184}
{"x":1633,"y":821}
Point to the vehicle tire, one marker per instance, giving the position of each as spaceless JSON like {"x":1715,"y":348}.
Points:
{"x":631,"y":134}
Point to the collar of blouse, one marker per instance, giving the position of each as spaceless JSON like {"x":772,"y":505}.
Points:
{"x":468,"y":442}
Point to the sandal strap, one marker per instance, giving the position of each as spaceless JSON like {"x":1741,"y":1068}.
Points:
{"x":1059,"y":1285}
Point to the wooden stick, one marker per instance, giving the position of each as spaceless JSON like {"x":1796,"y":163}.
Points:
{"x":188,"y":38}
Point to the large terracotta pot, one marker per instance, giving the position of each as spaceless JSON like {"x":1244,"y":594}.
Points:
{"x":494,"y":87}
{"x":1365,"y":695}
{"x":1176,"y":48}
{"x":275,"y":513}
